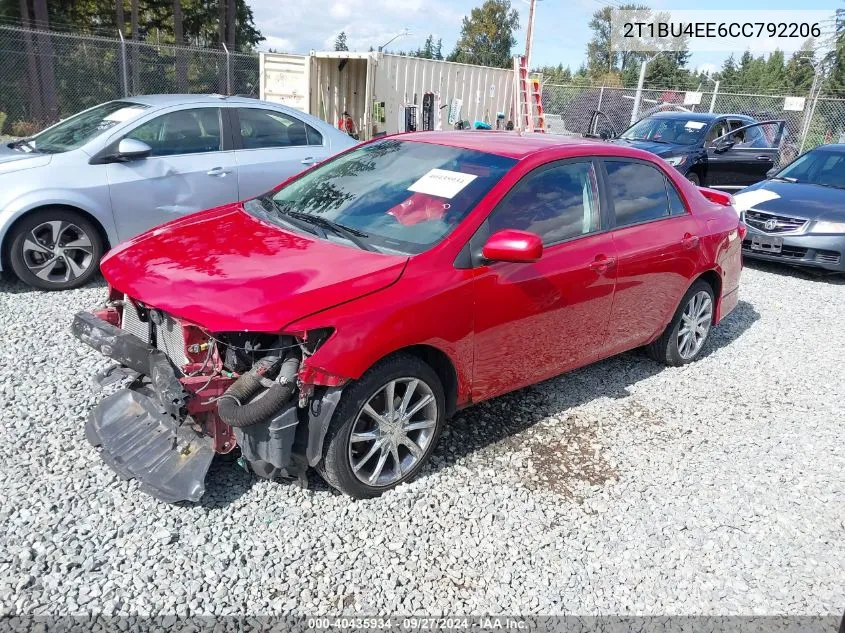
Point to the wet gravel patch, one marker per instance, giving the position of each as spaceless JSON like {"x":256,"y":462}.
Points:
{"x":621,"y":488}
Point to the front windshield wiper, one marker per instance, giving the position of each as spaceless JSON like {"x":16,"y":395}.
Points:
{"x":784,"y":178}
{"x":353,"y":235}
{"x":650,"y":140}
{"x":23,"y":142}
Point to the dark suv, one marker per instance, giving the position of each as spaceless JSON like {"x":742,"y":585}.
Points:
{"x":725,"y":151}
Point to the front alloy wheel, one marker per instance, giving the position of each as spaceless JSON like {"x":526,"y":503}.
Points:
{"x":55,"y":249}
{"x":392,"y":432}
{"x":384,"y":428}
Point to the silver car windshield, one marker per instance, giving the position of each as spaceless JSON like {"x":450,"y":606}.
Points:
{"x":83,"y":127}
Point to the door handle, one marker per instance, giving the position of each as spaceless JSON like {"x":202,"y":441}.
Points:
{"x":310,"y":160}
{"x":689,"y":241}
{"x":764,"y":157}
{"x":218,"y":171}
{"x":602,"y":264}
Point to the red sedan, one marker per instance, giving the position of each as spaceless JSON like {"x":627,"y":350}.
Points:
{"x":337,"y":321}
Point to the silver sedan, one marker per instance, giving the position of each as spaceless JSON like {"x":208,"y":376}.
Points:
{"x":115,"y":170}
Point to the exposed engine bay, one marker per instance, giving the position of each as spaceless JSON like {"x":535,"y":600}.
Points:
{"x":192,"y":394}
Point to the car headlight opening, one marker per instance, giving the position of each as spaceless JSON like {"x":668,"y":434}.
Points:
{"x":825,"y":226}
{"x":676,"y":161}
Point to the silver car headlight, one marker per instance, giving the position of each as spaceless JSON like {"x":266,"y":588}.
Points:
{"x":823,"y":226}
{"x":676,"y":161}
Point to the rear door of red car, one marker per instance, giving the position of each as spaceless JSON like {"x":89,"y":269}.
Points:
{"x":536,"y":320}
{"x":657,"y":245}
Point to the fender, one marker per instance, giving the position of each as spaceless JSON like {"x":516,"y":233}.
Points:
{"x":19,"y":206}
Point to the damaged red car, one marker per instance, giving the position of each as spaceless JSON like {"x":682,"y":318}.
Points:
{"x":336,"y":322}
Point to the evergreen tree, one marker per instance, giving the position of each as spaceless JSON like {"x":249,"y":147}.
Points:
{"x":340,"y":42}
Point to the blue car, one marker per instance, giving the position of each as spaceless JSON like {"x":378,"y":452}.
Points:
{"x":723,"y":151}
{"x":797,"y":216}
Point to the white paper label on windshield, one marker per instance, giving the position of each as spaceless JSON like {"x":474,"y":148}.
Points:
{"x":744,"y":201}
{"x":124,"y":114}
{"x":442,"y":183}
{"x":695,"y":125}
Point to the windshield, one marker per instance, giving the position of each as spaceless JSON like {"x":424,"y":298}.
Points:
{"x":825,"y":167}
{"x":81,"y":128}
{"x":391,"y":195}
{"x":681,"y":131}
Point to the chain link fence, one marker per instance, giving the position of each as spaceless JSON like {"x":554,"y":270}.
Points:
{"x":47,"y":76}
{"x":569,"y":110}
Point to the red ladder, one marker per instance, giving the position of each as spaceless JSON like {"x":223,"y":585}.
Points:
{"x":527,"y":97}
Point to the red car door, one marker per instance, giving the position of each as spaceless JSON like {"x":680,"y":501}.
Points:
{"x":657,"y":245}
{"x":533,"y":321}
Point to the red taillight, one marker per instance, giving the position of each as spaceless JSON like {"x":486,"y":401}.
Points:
{"x":742,"y":230}
{"x":719,"y":197}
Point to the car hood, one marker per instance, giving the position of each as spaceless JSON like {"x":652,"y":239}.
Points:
{"x":13,"y":160}
{"x":813,"y":202}
{"x":227,"y":270}
{"x":661,"y":149}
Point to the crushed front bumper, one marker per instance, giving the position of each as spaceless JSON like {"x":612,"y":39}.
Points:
{"x":142,"y":431}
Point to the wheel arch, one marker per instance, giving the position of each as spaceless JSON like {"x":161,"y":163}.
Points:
{"x":6,"y":239}
{"x":442,"y":365}
{"x":714,"y":279}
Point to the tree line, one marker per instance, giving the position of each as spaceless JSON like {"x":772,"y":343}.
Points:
{"x":179,"y":23}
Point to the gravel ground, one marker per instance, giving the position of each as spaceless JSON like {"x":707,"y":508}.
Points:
{"x":621,"y":488}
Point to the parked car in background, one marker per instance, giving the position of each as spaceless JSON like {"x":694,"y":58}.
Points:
{"x":115,"y":170}
{"x":339,"y":320}
{"x":725,"y":151}
{"x":797,"y":216}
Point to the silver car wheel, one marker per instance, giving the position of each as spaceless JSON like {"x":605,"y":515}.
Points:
{"x":392,"y":432}
{"x":58,"y":251}
{"x":695,"y":324}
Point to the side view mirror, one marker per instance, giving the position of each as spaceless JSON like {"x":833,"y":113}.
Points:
{"x":130,"y":149}
{"x":515,"y":246}
{"x":604,"y":135}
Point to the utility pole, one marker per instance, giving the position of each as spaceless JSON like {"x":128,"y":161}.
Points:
{"x":529,"y":33}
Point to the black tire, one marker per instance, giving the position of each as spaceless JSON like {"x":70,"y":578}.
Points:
{"x":82,"y":263}
{"x":335,"y":466}
{"x":694,"y":178}
{"x":665,"y":349}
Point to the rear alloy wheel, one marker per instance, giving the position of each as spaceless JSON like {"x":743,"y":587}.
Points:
{"x":685,"y":336}
{"x":55,"y":249}
{"x":384,"y":428}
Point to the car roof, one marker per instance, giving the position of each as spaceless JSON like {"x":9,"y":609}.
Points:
{"x":696,"y":116}
{"x":502,"y":143}
{"x":179,"y":99}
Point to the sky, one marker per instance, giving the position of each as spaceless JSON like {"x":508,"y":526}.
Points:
{"x":560,"y":32}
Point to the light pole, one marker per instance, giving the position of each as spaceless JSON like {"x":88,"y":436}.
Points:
{"x":639,"y":95}
{"x":403,"y":33}
{"x":529,"y":33}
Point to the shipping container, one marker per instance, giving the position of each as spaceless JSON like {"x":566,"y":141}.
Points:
{"x":385,"y":94}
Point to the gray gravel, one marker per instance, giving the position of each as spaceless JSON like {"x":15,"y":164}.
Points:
{"x":622,"y":488}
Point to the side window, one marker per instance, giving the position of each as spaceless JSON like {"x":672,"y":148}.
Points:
{"x":638,"y":192}
{"x":719,"y":128}
{"x":556,"y":203}
{"x":182,"y":132}
{"x":676,"y":204}
{"x":270,"y":128}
